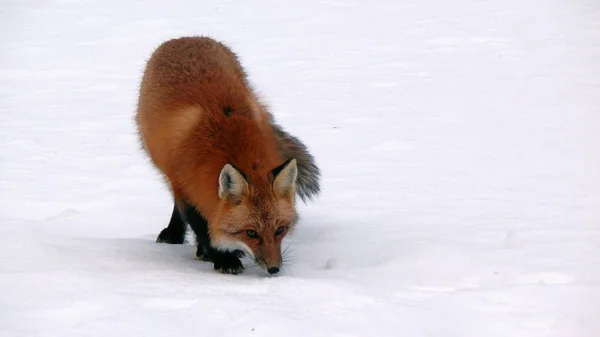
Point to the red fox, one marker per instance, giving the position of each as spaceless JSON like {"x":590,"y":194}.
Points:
{"x":233,"y":172}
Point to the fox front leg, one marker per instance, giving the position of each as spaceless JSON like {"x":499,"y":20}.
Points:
{"x":224,"y":262}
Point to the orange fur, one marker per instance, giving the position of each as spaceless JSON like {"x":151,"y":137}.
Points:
{"x":189,"y":87}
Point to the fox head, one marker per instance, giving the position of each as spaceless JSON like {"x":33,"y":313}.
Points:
{"x":256,"y":212}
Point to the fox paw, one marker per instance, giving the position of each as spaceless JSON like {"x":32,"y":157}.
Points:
{"x":234,"y":270}
{"x":168,"y":235}
{"x":204,"y":257}
{"x":202,"y":254}
{"x":228,"y":264}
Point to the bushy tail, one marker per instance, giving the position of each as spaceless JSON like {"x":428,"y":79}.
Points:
{"x":307,"y":182}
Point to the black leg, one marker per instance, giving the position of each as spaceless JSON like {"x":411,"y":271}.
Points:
{"x":225,"y":262}
{"x":175,"y":231}
{"x":202,"y":251}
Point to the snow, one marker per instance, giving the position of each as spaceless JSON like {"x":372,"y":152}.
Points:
{"x":458,"y":140}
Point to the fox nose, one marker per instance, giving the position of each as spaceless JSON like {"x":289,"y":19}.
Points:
{"x":273,"y":270}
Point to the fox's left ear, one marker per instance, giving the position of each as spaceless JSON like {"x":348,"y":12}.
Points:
{"x":284,"y":178}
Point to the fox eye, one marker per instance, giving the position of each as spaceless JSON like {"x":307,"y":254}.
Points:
{"x":279,"y":230}
{"x":252,"y":233}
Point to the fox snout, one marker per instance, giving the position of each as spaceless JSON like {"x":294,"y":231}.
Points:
{"x":273,"y":265}
{"x":270,"y":259}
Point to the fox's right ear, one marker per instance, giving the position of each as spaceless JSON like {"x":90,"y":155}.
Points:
{"x":232,"y":184}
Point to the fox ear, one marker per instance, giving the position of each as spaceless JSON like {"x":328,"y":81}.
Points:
{"x":284,"y":178}
{"x":232,"y":184}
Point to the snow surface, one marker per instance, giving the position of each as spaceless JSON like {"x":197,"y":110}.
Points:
{"x":459,"y":143}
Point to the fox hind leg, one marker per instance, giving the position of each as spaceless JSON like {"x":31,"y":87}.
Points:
{"x":174,"y":233}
